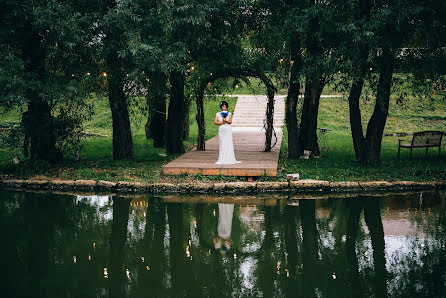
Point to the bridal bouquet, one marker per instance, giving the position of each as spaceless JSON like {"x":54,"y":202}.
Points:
{"x":224,"y":114}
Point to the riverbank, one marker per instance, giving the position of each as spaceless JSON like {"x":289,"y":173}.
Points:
{"x":292,"y":187}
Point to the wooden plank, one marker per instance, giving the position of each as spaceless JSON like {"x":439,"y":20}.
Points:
{"x":248,"y":148}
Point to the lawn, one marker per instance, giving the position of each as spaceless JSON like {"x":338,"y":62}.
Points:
{"x":336,"y":163}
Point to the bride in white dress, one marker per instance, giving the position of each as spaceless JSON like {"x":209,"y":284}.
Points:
{"x":226,"y":147}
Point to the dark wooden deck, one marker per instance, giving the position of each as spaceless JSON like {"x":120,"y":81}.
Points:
{"x":248,"y":146}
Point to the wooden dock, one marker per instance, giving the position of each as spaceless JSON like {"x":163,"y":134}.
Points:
{"x":249,"y":142}
{"x":248,"y":147}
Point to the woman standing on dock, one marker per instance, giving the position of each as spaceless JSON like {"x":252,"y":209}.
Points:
{"x":226,"y":154}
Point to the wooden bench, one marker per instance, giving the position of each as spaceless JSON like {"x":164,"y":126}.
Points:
{"x":422,"y":139}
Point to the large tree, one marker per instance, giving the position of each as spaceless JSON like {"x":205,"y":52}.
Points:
{"x":43,"y":50}
{"x":378,"y":35}
{"x":113,"y":17}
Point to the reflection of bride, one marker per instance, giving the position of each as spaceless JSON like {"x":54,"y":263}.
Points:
{"x":226,"y":154}
{"x":222,"y":243}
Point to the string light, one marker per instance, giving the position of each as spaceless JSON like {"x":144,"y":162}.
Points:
{"x":127,"y":272}
{"x":333,"y":275}
{"x":74,"y":259}
{"x":147,"y":268}
{"x":89,"y":257}
{"x":105,"y":273}
{"x":88,"y":73}
{"x":104,"y":74}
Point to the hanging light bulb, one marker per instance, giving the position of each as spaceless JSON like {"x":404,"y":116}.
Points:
{"x":74,"y":259}
{"x":105,"y":273}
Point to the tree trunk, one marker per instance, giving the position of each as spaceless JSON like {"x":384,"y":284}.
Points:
{"x":291,"y":104}
{"x":156,"y":122}
{"x":42,"y":130}
{"x":269,"y":118}
{"x":359,"y":142}
{"x":40,"y":126}
{"x":308,"y":122}
{"x":122,"y":134}
{"x":175,"y":119}
{"x":375,"y":127}
{"x":186,"y":125}
{"x":201,"y":145}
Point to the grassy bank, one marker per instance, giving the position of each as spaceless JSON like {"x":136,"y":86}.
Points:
{"x":336,"y":163}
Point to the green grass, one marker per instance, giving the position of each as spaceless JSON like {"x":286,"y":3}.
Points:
{"x":335,"y":164}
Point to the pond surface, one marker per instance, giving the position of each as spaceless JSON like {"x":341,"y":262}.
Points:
{"x":144,"y":246}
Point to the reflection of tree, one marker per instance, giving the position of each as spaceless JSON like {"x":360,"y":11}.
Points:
{"x":353,"y":213}
{"x":177,"y":255}
{"x":266,"y":263}
{"x":309,"y":243}
{"x":290,"y":235}
{"x":117,"y":242}
{"x":153,"y":265}
{"x":310,"y":249}
{"x":372,"y":216}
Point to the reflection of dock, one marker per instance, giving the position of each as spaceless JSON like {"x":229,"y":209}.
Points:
{"x":249,"y":142}
{"x":234,"y":199}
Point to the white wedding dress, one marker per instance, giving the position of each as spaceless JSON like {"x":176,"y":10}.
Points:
{"x":226,"y":154}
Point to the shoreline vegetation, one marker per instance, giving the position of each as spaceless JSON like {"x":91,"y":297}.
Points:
{"x":335,"y":164}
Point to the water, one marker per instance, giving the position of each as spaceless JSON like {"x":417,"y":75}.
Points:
{"x":143,"y":246}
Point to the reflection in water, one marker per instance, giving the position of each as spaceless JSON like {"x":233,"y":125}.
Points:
{"x":222,"y":242}
{"x":90,"y":246}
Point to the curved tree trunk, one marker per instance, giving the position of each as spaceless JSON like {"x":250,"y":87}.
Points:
{"x":175,"y":119}
{"x":269,"y":118}
{"x":359,"y":142}
{"x":375,"y":127}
